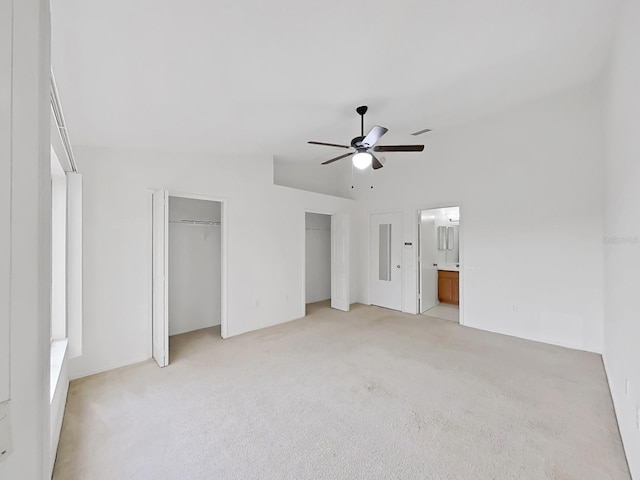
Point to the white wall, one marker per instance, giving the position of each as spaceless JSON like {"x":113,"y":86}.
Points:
{"x":30,"y":294}
{"x":333,"y":179}
{"x":318,"y":257}
{"x":194,"y":265}
{"x":622,"y":231}
{"x":528,"y":182}
{"x":5,"y":198}
{"x":59,"y":387}
{"x":265,"y":242}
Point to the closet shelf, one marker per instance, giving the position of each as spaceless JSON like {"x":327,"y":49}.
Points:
{"x":196,"y":222}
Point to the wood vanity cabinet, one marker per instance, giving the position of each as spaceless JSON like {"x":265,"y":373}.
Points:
{"x":449,"y":287}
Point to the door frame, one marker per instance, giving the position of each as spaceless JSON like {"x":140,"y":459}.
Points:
{"x":304,"y":256}
{"x":224,"y":317}
{"x":402,"y":266}
{"x":460,"y":248}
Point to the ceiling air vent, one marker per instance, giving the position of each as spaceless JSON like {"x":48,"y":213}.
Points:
{"x":420,"y":132}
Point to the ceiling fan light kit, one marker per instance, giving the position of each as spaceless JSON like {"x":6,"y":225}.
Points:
{"x":363,"y":158}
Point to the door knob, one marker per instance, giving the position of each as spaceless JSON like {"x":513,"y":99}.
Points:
{"x":397,"y":266}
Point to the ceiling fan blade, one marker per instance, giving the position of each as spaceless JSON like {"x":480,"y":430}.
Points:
{"x":373,"y":136}
{"x":337,"y":158}
{"x":398,"y":148}
{"x":329,"y":144}
{"x":375,"y":163}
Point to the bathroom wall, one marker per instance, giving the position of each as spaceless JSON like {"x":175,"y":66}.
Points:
{"x":441,"y":218}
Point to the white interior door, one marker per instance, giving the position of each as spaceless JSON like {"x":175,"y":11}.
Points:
{"x":340,"y":262}
{"x":160,"y":294}
{"x":427,"y":260}
{"x":386,"y":255}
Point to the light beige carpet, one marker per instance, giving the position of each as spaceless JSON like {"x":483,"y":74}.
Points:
{"x":371,"y":394}
{"x":444,"y":312}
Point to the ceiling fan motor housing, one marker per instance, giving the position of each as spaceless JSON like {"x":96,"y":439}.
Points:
{"x":357,"y":142}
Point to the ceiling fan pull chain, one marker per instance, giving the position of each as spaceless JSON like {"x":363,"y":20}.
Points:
{"x":351,"y":174}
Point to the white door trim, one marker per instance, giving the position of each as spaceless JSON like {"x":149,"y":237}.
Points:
{"x":159,"y":267}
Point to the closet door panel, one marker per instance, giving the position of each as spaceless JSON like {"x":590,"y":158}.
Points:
{"x":160,"y":293}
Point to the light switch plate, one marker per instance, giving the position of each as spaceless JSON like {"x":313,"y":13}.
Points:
{"x":5,"y":431}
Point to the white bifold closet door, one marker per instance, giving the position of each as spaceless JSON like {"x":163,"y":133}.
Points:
{"x":160,"y":291}
{"x":340,"y":262}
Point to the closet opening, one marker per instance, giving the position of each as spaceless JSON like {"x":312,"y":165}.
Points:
{"x":317,"y":261}
{"x":189,"y":274}
{"x":195,"y":267}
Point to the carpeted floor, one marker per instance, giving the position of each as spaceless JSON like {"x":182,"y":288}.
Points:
{"x":444,"y":312}
{"x":372,"y":394}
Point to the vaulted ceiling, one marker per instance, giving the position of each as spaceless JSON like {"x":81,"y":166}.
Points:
{"x":266,"y":76}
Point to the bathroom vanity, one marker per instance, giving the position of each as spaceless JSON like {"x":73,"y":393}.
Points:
{"x":449,"y":284}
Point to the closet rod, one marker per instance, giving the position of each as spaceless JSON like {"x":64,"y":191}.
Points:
{"x":196,"y":222}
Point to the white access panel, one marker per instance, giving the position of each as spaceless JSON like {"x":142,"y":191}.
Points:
{"x":386,"y":260}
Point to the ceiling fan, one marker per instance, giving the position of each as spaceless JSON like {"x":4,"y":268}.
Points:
{"x":362,"y":157}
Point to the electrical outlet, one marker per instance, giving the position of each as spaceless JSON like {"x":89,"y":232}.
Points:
{"x":515,"y":308}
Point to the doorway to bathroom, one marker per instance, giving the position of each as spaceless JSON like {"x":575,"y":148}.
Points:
{"x":439,"y":263}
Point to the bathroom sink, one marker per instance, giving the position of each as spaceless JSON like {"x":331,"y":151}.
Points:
{"x":449,"y":267}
